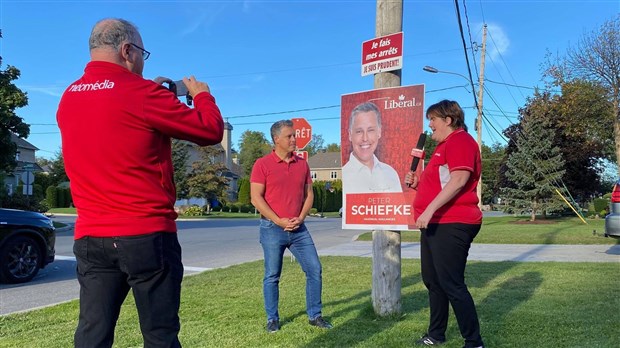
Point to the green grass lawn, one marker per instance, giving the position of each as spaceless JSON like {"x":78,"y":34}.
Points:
{"x":520,"y":304}
{"x":518,"y":230}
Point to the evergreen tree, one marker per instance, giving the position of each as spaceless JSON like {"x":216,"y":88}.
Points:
{"x":180,"y":155}
{"x":534,"y":169}
{"x":57,"y":170}
{"x":244,"y":191}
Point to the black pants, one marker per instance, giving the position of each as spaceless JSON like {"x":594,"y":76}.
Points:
{"x":107,"y":268}
{"x":444,"y":250}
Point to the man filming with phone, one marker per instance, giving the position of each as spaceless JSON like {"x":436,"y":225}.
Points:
{"x":116,"y":129}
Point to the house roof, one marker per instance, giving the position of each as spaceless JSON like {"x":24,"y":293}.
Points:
{"x":21,"y":143}
{"x":325,"y":160}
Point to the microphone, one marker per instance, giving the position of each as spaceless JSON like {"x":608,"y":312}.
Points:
{"x":417,"y":153}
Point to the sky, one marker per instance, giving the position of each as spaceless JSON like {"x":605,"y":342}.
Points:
{"x":270,"y":60}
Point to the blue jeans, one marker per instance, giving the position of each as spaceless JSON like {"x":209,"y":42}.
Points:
{"x":275,"y":240}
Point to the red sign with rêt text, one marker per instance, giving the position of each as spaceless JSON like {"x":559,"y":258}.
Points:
{"x":303,"y":132}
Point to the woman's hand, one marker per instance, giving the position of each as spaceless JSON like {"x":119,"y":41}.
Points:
{"x":411,"y":180}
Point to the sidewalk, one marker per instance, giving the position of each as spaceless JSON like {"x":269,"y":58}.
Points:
{"x":498,"y":252}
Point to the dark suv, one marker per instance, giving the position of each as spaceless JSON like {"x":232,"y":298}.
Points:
{"x":26,"y":244}
{"x":612,"y":220}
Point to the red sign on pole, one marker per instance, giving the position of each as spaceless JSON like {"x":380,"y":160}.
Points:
{"x":302,"y":154}
{"x":303,"y":132}
{"x":382,"y":54}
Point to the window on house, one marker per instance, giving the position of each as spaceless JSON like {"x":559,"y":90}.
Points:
{"x":334,"y":175}
{"x":17,"y":156}
{"x":313,"y":175}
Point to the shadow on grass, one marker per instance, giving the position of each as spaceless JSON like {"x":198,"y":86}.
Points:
{"x":497,"y":305}
{"x":341,"y":334}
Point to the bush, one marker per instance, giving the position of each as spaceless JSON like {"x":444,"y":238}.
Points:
{"x":314,"y":211}
{"x":51,"y":197}
{"x":43,"y":207}
{"x":234,"y":209}
{"x":603,"y":213}
{"x":245,"y":208}
{"x":60,"y":196}
{"x":194,"y":210}
{"x":600,"y":203}
{"x":20,"y":201}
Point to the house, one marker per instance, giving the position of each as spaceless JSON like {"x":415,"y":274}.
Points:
{"x":225,"y":156}
{"x":26,"y":165}
{"x":325,"y":166}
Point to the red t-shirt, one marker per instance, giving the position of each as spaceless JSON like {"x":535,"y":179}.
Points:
{"x":116,"y":128}
{"x":459,"y":151}
{"x":285,"y":183}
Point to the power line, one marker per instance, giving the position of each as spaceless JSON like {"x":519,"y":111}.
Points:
{"x":525,"y":87}
{"x":471,"y":81}
{"x":285,"y":112}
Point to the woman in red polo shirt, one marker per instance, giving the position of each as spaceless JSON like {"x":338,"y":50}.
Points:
{"x":447,"y":214}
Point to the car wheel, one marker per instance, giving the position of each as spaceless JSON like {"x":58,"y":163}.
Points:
{"x":20,"y":260}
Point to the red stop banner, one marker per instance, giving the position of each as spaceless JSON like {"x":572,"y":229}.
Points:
{"x":303,"y":132}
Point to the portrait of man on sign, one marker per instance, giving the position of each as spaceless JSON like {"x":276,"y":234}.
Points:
{"x":378,"y":130}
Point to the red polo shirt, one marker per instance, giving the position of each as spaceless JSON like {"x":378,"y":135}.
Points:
{"x":116,"y":128}
{"x":459,"y":151}
{"x":285,"y":183}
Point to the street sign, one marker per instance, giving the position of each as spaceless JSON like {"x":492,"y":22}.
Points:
{"x":382,"y":54}
{"x":27,"y":178}
{"x":27,"y":190}
{"x":302,"y":154}
{"x":303,"y":132}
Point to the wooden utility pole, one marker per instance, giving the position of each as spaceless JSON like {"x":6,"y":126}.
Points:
{"x":480,"y":93}
{"x":386,"y":258}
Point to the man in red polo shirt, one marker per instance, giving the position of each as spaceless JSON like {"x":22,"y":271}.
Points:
{"x":281,"y":189}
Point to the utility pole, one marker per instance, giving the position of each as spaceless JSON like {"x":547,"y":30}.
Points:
{"x":480,"y":93}
{"x":386,"y":257}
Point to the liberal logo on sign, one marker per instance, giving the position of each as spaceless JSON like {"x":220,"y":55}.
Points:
{"x":402,"y":102}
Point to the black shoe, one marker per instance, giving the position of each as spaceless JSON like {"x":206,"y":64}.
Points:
{"x":273,"y":326}
{"x":320,"y":322}
{"x":427,"y":340}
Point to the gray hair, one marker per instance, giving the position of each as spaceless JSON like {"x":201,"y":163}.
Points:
{"x":112,"y":32}
{"x":365,"y":107}
{"x":276,"y":128}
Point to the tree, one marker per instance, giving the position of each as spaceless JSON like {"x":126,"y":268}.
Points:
{"x":243,"y":196}
{"x":583,"y":117}
{"x":315,"y":145}
{"x":492,"y":158}
{"x":180,"y":155}
{"x":596,"y":58}
{"x":252,"y":146}
{"x":57,"y":170}
{"x":333,"y":147}
{"x":535,"y":165}
{"x":207,"y":179}
{"x":11,"y":98}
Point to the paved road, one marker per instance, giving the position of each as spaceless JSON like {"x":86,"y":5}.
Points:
{"x":209,"y":244}
{"x":206,"y":244}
